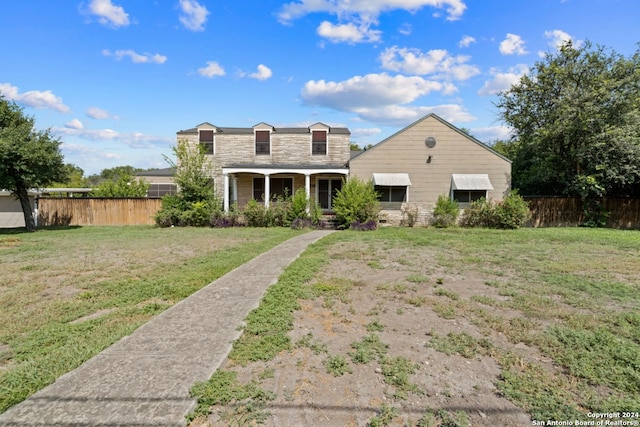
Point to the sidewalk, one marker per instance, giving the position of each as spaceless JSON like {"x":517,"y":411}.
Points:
{"x":144,"y":379}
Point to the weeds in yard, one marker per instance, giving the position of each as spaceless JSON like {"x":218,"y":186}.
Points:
{"x":396,"y":373}
{"x":374,"y":326}
{"x":337,"y":366}
{"x":223,"y":388}
{"x":447,"y":293}
{"x":460,"y":343}
{"x":316,"y":346}
{"x":384,"y":417}
{"x":369,"y":349}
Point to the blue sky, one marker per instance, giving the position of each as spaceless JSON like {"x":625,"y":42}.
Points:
{"x":116,"y":79}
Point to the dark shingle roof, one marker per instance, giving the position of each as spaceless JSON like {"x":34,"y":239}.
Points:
{"x":283,"y":130}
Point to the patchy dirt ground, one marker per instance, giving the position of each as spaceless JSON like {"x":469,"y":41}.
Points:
{"x":405,"y":297}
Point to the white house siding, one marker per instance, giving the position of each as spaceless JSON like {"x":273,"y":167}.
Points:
{"x":454,"y":153}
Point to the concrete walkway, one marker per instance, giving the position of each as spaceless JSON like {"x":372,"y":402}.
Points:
{"x":144,"y":379}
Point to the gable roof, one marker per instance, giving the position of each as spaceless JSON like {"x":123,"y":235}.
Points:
{"x":444,"y":122}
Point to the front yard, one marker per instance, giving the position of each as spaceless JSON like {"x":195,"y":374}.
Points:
{"x":427,"y":327}
{"x":66,"y":294}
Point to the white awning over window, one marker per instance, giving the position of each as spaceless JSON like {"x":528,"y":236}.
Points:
{"x":471,"y":182}
{"x":391,"y":179}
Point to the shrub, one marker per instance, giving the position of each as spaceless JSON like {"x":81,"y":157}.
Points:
{"x":479,"y":214}
{"x":511,"y":213}
{"x":356,"y":201}
{"x":255,"y":214}
{"x":445,"y":214}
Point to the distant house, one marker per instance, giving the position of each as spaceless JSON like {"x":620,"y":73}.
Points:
{"x":427,"y":158}
{"x":160,"y":182}
{"x":409,"y":169}
{"x":263,"y":162}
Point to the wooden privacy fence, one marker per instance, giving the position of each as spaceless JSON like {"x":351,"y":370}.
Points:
{"x":568,"y":212}
{"x":545,"y":211}
{"x":89,"y":211}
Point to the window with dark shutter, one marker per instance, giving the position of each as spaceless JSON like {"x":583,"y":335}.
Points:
{"x":206,"y":141}
{"x":319,"y":142}
{"x":263,"y":142}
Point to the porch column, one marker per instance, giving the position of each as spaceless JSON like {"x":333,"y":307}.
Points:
{"x":226,"y":192}
{"x":307,"y":189}
{"x":234,"y":186}
{"x":267,"y":191}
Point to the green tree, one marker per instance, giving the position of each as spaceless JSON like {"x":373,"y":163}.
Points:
{"x":196,"y":202}
{"x":74,"y":177}
{"x":124,"y":186}
{"x":29,"y":158}
{"x":576,"y":123}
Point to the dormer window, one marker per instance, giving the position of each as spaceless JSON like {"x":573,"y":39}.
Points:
{"x":206,"y":141}
{"x":263,"y":142}
{"x":319,"y":142}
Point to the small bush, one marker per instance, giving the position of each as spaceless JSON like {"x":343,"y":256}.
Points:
{"x":255,"y":214}
{"x":356,"y":201}
{"x":445,"y":214}
{"x":511,"y":213}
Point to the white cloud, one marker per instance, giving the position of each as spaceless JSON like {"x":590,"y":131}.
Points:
{"x":263,"y":73}
{"x":398,"y":115}
{"x":365,"y":132}
{"x":370,"y":91}
{"x":512,"y":45}
{"x":437,"y":62}
{"x":405,"y":29}
{"x":366,"y":9}
{"x":136,"y":58}
{"x":99,"y":114}
{"x":194,"y":15}
{"x":502,"y":81}
{"x":34,"y":98}
{"x":108,"y":13}
{"x":349,"y":33}
{"x":131,"y":139}
{"x":466,"y":41}
{"x":211,"y":70}
{"x":356,"y":17}
{"x":556,"y":38}
{"x":493,"y":133}
{"x":74,"y":124}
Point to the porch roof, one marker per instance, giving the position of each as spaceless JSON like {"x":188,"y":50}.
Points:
{"x":271,"y":169}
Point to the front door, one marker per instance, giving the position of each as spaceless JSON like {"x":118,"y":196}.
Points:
{"x":327,"y":190}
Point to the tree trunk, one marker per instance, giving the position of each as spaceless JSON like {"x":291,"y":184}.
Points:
{"x":23,"y":196}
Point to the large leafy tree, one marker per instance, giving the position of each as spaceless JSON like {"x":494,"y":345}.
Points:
{"x":576,"y":124}
{"x":29,"y":158}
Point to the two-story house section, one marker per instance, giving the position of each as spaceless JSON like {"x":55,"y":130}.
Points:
{"x":263,"y":162}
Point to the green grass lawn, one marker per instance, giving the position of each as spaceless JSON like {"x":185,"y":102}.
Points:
{"x":66,"y":294}
{"x":575,"y":292}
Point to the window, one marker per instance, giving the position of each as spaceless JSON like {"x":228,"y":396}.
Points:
{"x":278,"y":187}
{"x":391,"y":193}
{"x":468,"y":196}
{"x":263,"y":142}
{"x":158,"y":190}
{"x":318,"y":142}
{"x":206,"y":141}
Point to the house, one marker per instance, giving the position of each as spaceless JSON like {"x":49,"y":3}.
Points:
{"x":430,"y":157}
{"x":160,"y":182}
{"x":410,"y":169}
{"x":264,"y":162}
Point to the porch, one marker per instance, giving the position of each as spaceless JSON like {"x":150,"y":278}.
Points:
{"x":265,"y":183}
